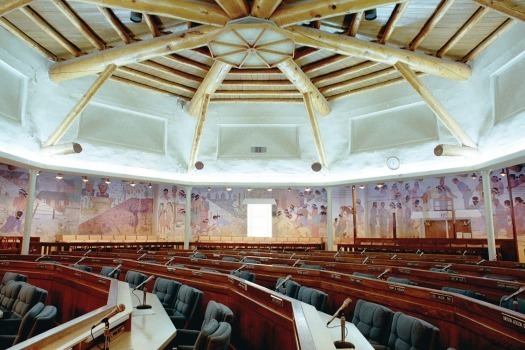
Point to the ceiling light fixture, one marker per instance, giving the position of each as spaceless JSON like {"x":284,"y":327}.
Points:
{"x":269,"y":190}
{"x":371,"y":14}
{"x":307,"y":189}
{"x":38,"y":173}
{"x":209,"y":189}
{"x":150,"y":186}
{"x":135,"y":17}
{"x":249,"y":189}
{"x":502,"y":173}
{"x":59,"y":176}
{"x":474,"y":176}
{"x":132,"y":184}
{"x":199,"y":165}
{"x":361,"y":186}
{"x":228,"y":189}
{"x":85,"y":179}
{"x":380,"y":185}
{"x":289,"y":189}
{"x":317,"y":167}
{"x":107,"y":181}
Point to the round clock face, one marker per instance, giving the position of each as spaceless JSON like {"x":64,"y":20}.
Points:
{"x":392,"y":163}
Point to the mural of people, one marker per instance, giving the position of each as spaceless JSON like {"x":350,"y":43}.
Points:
{"x":13,"y":223}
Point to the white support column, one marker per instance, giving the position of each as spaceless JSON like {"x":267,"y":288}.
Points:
{"x":329,"y":221}
{"x":29,"y":211}
{"x":187,"y":219}
{"x":489,"y":218}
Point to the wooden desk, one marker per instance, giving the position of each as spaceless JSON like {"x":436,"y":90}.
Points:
{"x":324,"y":336}
{"x":150,"y":328}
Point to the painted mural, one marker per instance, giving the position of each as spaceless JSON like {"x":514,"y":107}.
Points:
{"x":13,"y":199}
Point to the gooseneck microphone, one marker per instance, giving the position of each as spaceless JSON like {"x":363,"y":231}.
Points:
{"x":143,"y":283}
{"x":345,"y":304}
{"x":114,"y":270}
{"x":116,"y":310}
{"x":289,"y":277}
{"x":144,"y":305}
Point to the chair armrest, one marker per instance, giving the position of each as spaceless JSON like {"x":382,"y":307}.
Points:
{"x":179,"y":321}
{"x":9,"y":327}
{"x":186,"y":336}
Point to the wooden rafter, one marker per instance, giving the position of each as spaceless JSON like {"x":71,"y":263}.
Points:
{"x":509,"y":8}
{"x":198,"y":130}
{"x":171,"y":71}
{"x":146,"y":87}
{"x":304,"y":52}
{"x":307,"y":10}
{"x":287,"y":93}
{"x":315,"y":129}
{"x":270,"y":71}
{"x":488,"y":40}
{"x":132,"y":53}
{"x":264,"y":8}
{"x":234,"y":8}
{"x":7,"y":6}
{"x":315,"y":66}
{"x":78,"y":23}
{"x":396,"y":15}
{"x":79,"y":107}
{"x":441,"y":10}
{"x":191,"y":10}
{"x":50,"y":30}
{"x":475,"y":18}
{"x":150,"y":22}
{"x":294,"y":73}
{"x":344,"y":73}
{"x":347,"y":45}
{"x":345,"y":85}
{"x":352,"y":21}
{"x":115,"y":24}
{"x":258,"y":100}
{"x":434,"y":104}
{"x":211,"y":82}
{"x":156,"y":80}
{"x":259,"y":83}
{"x":187,"y":62}
{"x":22,"y":36}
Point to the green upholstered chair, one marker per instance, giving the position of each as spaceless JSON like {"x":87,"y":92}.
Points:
{"x":289,"y":288}
{"x":215,"y":336}
{"x":314,"y":297}
{"x":134,"y":278}
{"x":187,"y":303}
{"x":465,"y":292}
{"x":107,"y":270}
{"x":10,"y":293}
{"x":229,"y":258}
{"x":27,"y":297}
{"x":8,"y":277}
{"x":81,"y":267}
{"x":401,"y":281}
{"x":166,"y":291}
{"x":314,"y":267}
{"x":245,"y":275}
{"x":374,"y":321}
{"x":24,"y":328}
{"x":367,"y":275}
{"x":410,"y":333}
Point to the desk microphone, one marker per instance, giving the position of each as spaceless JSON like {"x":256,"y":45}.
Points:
{"x":519,"y":291}
{"x":40,"y":257}
{"x":116,"y":310}
{"x":86,"y":253}
{"x":383,"y":273}
{"x":345,"y":304}
{"x":296,"y":262}
{"x":169,"y":261}
{"x":289,"y":277}
{"x":114,"y":270}
{"x":365,"y":261}
{"x":142,"y":256}
{"x":144,"y":305}
{"x":143,"y":283}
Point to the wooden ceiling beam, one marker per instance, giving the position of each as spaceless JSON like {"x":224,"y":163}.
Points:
{"x":431,"y":23}
{"x":262,"y":83}
{"x":50,"y":30}
{"x":234,"y":8}
{"x":294,"y":73}
{"x":146,"y":87}
{"x":79,"y":107}
{"x":269,"y":71}
{"x":488,"y":40}
{"x":198,"y":130}
{"x":150,"y":22}
{"x":315,"y":129}
{"x":22,"y":36}
{"x":171,"y":71}
{"x":307,"y":10}
{"x":509,"y":8}
{"x":304,"y":52}
{"x":211,"y":82}
{"x":115,"y":24}
{"x":358,"y":80}
{"x":264,"y":8}
{"x":343,"y":73}
{"x":315,"y":66}
{"x":191,"y":10}
{"x":7,"y":6}
{"x":434,"y":104}
{"x":258,"y":100}
{"x":475,"y":18}
{"x":287,"y":93}
{"x":353,"y":21}
{"x":187,"y":62}
{"x":78,"y":23}
{"x":347,"y":45}
{"x":156,"y":80}
{"x":132,"y":53}
{"x":396,"y":15}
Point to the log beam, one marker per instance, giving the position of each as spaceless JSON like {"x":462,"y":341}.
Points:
{"x":294,"y":73}
{"x":352,"y":21}
{"x":79,"y":107}
{"x":396,"y":15}
{"x":22,"y":36}
{"x":488,"y":40}
{"x":347,"y":45}
{"x":234,"y":8}
{"x":264,"y":8}
{"x":431,"y":23}
{"x":191,"y":10}
{"x":509,"y":8}
{"x":211,"y":82}
{"x":7,"y":6}
{"x":307,"y":10}
{"x":434,"y":104}
{"x":472,"y":21}
{"x":115,"y":24}
{"x":198,"y":131}
{"x":315,"y":129}
{"x":132,"y":53}
{"x":344,"y":73}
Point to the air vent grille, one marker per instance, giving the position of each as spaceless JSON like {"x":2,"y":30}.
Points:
{"x":258,"y":149}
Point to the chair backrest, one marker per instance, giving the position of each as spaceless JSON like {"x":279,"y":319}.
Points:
{"x":245,"y":275}
{"x":374,"y":321}
{"x":401,"y":281}
{"x":44,"y":321}
{"x":314,"y":267}
{"x":229,"y":258}
{"x":166,"y":290}
{"x":409,"y":332}
{"x":289,"y":288}
{"x":28,"y":297}
{"x":521,"y":305}
{"x":214,"y":336}
{"x":250,"y":261}
{"x":313,"y":297}
{"x":8,"y":277}
{"x":11,"y":292}
{"x":198,"y":256}
{"x":501,"y":278}
{"x":134,"y":278}
{"x":465,"y":292}
{"x":28,"y":321}
{"x":187,"y":302}
{"x":435,"y":269}
{"x":81,"y":267}
{"x":217,"y":311}
{"x":106,"y":270}
{"x":367,"y":275}
{"x":507,"y":304}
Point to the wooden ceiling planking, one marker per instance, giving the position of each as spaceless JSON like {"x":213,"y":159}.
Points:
{"x":359,"y":69}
